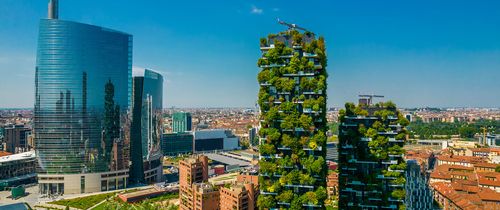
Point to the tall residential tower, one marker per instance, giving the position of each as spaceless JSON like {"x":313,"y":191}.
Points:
{"x":292,"y":101}
{"x":82,"y":97}
{"x":371,"y":165}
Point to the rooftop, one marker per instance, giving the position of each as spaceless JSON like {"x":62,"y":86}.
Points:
{"x":18,"y":156}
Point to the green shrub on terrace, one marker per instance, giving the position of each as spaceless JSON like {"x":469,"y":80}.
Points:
{"x":288,"y":141}
{"x":399,"y":194}
{"x":272,"y":115}
{"x":402,"y":120}
{"x":284,"y":84}
{"x":267,"y":149}
{"x":306,"y":122}
{"x":321,"y":193}
{"x":319,"y":138}
{"x":401,"y":166}
{"x":306,"y":179}
{"x":266,"y":202}
{"x":264,"y":76}
{"x":288,"y":107}
{"x":263,"y":42}
{"x":267,"y":167}
{"x":371,"y":133}
{"x":310,"y":198}
{"x":391,"y":173}
{"x":396,"y":150}
{"x":349,"y":109}
{"x":384,"y":113}
{"x":399,"y":181}
{"x":290,"y":122}
{"x":285,"y":196}
{"x":360,"y":111}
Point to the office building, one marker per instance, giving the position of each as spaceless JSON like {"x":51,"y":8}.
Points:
{"x":181,"y":122}
{"x":146,"y":128}
{"x":17,"y":169}
{"x":292,"y":102}
{"x":216,"y":139}
{"x":253,"y":139}
{"x":371,"y":165}
{"x":173,"y":144}
{"x":16,"y":138}
{"x":82,"y":100}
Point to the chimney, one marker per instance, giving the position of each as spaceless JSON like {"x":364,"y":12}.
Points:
{"x":53,"y":9}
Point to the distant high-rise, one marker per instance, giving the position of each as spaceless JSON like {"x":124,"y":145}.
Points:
{"x":82,"y":97}
{"x":16,"y":138}
{"x":292,"y":102}
{"x":371,"y":165}
{"x":181,"y":122}
{"x":145,"y":151}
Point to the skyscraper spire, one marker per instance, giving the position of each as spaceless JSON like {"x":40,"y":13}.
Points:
{"x":53,"y":9}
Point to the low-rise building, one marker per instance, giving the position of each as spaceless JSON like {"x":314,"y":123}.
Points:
{"x":173,"y":144}
{"x":18,"y":169}
{"x":216,"y":139}
{"x":238,"y":196}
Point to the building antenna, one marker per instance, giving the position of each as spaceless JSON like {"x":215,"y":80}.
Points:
{"x":292,"y":26}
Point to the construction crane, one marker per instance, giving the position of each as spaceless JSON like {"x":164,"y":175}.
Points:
{"x":292,"y":26}
{"x":368,"y":99}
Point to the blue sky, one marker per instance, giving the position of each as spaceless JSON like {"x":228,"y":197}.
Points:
{"x":416,"y":52}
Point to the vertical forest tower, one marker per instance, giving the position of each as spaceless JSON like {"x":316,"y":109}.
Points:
{"x":292,"y":101}
{"x":371,"y":164}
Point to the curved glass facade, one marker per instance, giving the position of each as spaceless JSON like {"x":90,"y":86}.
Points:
{"x":146,"y":124}
{"x":83,"y":91}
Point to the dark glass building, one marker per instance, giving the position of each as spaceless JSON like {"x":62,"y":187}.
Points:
{"x":146,"y":127}
{"x":177,"y":143}
{"x":82,"y":97}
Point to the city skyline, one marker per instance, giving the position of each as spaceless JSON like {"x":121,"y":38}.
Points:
{"x":444,"y":53}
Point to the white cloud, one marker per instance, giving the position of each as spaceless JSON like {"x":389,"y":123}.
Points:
{"x":256,"y":10}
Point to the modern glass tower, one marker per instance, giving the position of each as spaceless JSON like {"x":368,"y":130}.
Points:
{"x":292,"y":102}
{"x":181,"y":122}
{"x":146,"y":127}
{"x":82,"y":97}
{"x":371,"y":165}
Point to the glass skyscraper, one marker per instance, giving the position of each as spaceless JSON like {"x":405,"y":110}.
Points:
{"x":82,"y":97}
{"x":146,"y":127}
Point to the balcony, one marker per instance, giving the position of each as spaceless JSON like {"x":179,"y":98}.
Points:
{"x":300,"y":186}
{"x":265,"y":84}
{"x":396,"y":141}
{"x":310,"y":111}
{"x":312,"y":92}
{"x":310,"y":55}
{"x":272,"y":65}
{"x":387,"y":133}
{"x":283,"y":203}
{"x":311,"y":205}
{"x":300,"y":74}
{"x":267,"y":193}
{"x":366,"y":139}
{"x":347,"y":146}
